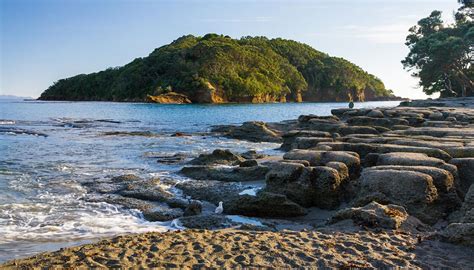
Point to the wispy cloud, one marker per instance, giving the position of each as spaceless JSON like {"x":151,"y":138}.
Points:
{"x":259,"y":19}
{"x":387,"y":33}
{"x":382,"y":34}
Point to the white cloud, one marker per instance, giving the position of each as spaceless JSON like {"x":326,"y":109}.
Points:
{"x":387,"y":34}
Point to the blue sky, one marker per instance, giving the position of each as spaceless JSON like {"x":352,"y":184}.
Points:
{"x":46,"y":40}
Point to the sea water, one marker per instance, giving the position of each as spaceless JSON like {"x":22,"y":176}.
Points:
{"x":48,"y":149}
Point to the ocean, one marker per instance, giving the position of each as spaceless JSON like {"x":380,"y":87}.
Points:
{"x":48,"y":149}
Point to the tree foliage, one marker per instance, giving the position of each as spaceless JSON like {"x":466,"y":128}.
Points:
{"x":441,"y":55}
{"x":238,"y":68}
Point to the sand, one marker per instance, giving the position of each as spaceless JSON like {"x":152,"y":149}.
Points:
{"x":240,"y":249}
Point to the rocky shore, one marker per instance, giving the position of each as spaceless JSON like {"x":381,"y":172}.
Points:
{"x":367,"y":188}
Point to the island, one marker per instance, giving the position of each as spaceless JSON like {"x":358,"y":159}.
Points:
{"x":219,"y":69}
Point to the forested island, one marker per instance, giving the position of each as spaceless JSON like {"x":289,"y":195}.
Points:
{"x":219,"y":69}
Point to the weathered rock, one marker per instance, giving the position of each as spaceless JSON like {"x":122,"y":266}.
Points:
{"x":308,"y":186}
{"x":413,"y":190}
{"x":194,"y":208}
{"x":303,"y":162}
{"x":465,"y":171}
{"x":308,"y":142}
{"x":306,"y":118}
{"x":211,"y":191}
{"x":290,"y":137}
{"x":151,"y":211}
{"x":252,"y":154}
{"x":237,"y":174}
{"x":146,"y":190}
{"x":169,"y":98}
{"x":412,"y":159}
{"x":340,"y":111}
{"x":370,"y":121}
{"x":264,"y":204}
{"x":218,"y":156}
{"x":363,"y":149}
{"x":206,"y":222}
{"x":438,"y":131}
{"x":459,"y":233}
{"x":375,"y":114}
{"x":467,"y":209}
{"x":341,"y":168}
{"x":252,"y":131}
{"x":170,"y":159}
{"x":282,"y":172}
{"x":460,"y":152}
{"x":442,"y":179}
{"x":249,"y":163}
{"x":318,"y":158}
{"x":162,"y":213}
{"x":373,"y":215}
{"x":126,"y":178}
{"x":346,"y":130}
{"x":436,"y":116}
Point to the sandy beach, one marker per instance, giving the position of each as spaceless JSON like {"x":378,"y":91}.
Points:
{"x":349,"y":247}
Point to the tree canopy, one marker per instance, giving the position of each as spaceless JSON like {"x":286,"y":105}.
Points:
{"x":441,"y":55}
{"x":236,"y":69}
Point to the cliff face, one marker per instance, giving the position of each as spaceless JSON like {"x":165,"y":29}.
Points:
{"x":219,"y":69}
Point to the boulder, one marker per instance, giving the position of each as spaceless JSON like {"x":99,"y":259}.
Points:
{"x":319,"y":186}
{"x":151,"y":211}
{"x":465,"y":171}
{"x":252,"y":154}
{"x":206,"y":222}
{"x":237,"y":174}
{"x":254,"y":131}
{"x":375,"y":114}
{"x":340,"y":111}
{"x":162,"y":213}
{"x":211,"y":191}
{"x":146,"y":190}
{"x":249,"y":163}
{"x":413,"y":190}
{"x":308,"y":142}
{"x":411,"y":159}
{"x":218,"y":156}
{"x":318,"y":158}
{"x":194,"y":208}
{"x":437,"y":116}
{"x":306,"y":118}
{"x":442,"y":179}
{"x":373,"y":215}
{"x":264,"y":204}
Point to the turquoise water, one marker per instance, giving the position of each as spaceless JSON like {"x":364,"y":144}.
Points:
{"x":43,"y":205}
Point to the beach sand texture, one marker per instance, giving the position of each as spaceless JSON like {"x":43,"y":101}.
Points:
{"x":241,"y":249}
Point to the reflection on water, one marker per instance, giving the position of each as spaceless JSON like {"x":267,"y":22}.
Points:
{"x":47,"y":149}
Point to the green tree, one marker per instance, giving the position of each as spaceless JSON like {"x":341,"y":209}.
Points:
{"x":250,"y":68}
{"x":441,"y":55}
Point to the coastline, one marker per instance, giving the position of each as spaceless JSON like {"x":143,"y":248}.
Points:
{"x":412,"y":243}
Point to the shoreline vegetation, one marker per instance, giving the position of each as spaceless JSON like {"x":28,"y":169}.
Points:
{"x":219,"y":69}
{"x":366,"y":188}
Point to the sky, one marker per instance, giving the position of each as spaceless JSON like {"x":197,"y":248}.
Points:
{"x":43,"y":41}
